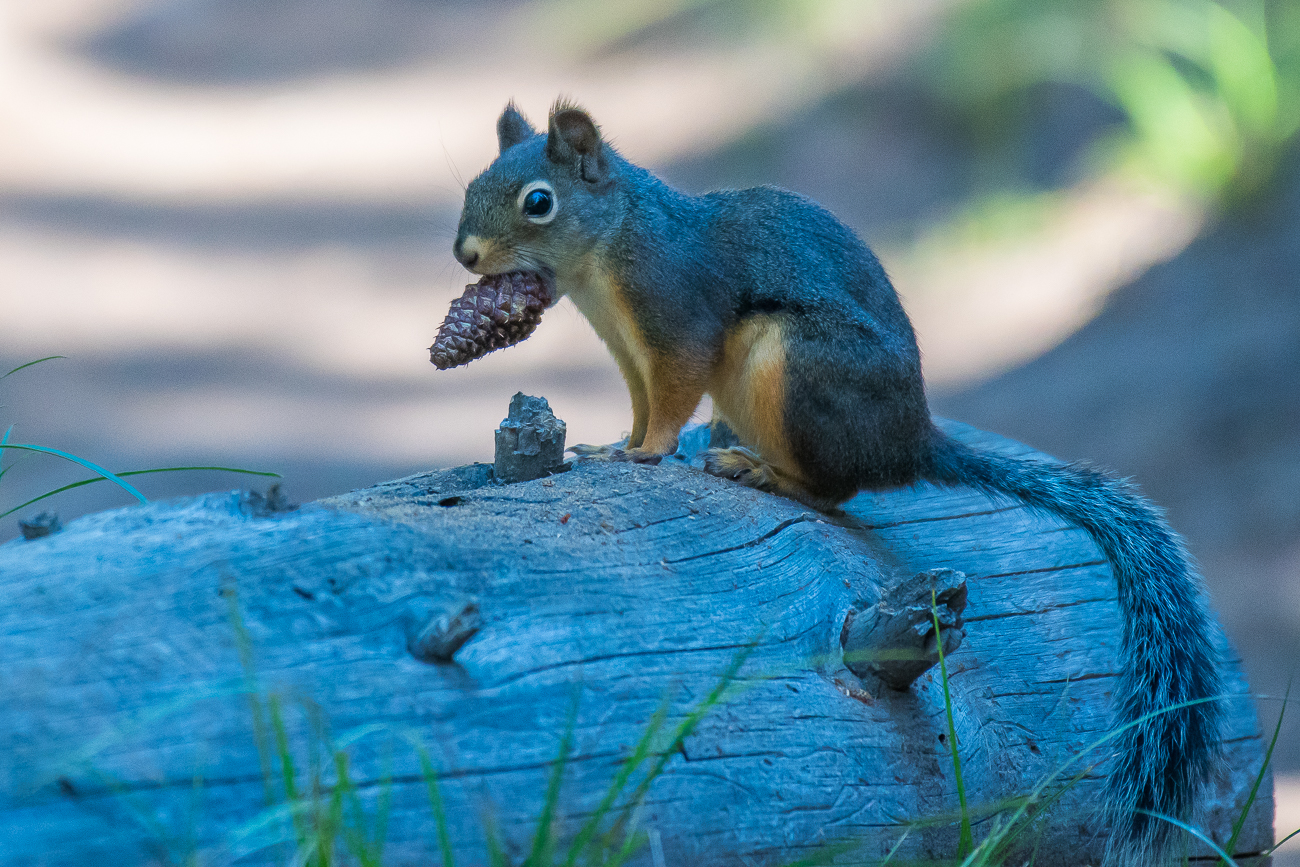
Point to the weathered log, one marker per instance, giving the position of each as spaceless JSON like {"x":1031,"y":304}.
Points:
{"x":467,"y":614}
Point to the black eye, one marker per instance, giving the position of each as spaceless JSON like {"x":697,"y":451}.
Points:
{"x":538,"y":203}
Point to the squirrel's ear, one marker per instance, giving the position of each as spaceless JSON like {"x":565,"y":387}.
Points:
{"x":513,"y":127}
{"x":572,"y":139}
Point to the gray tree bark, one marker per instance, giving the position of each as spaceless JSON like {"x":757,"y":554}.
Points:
{"x":467,"y":615}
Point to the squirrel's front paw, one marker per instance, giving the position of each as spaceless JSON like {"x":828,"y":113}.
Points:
{"x":613,"y":453}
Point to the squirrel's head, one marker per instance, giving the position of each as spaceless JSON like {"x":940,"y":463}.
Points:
{"x":545,"y":202}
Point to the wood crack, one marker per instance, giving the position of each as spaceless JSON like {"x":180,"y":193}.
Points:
{"x":789,"y":522}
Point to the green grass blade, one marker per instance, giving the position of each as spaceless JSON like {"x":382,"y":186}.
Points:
{"x":826,"y":855}
{"x":195,"y":807}
{"x":364,"y":838}
{"x":304,"y":854}
{"x":32,"y":364}
{"x":354,"y":832}
{"x":1046,"y":781}
{"x":632,"y":840}
{"x":436,"y":804}
{"x":1005,"y":836}
{"x":966,"y":841}
{"x":616,"y":786}
{"x":253,"y":835}
{"x":543,"y":838}
{"x":332,"y":824}
{"x":1231,"y":845}
{"x":683,"y":731}
{"x":631,"y":843}
{"x":3,"y":441}
{"x":1279,"y":843}
{"x":94,"y":468}
{"x":92,"y":481}
{"x":383,"y":810}
{"x":496,"y":853}
{"x":889,"y":856}
{"x":244,"y":645}
{"x":287,"y":770}
{"x":1199,"y":835}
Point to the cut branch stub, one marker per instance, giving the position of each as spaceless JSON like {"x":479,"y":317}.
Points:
{"x":894,"y":639}
{"x":530,"y":441}
{"x":434,"y":632}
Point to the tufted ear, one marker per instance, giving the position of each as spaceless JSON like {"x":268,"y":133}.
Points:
{"x":512,"y":128}
{"x":573,"y":140}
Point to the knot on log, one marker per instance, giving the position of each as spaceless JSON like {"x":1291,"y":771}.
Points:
{"x":435,"y":630}
{"x":894,"y":639}
{"x":530,"y":441}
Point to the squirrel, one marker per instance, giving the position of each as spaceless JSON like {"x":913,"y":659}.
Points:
{"x":765,"y":301}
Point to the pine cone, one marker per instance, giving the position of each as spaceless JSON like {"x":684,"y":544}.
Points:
{"x":499,"y":310}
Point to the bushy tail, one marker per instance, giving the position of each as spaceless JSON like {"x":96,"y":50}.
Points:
{"x":1162,"y":762}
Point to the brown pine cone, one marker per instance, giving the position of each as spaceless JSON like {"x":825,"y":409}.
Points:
{"x":499,"y":310}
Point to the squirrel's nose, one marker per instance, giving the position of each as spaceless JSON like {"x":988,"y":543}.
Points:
{"x":466,"y":251}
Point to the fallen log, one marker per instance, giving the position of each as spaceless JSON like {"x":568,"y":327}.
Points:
{"x":163,"y":661}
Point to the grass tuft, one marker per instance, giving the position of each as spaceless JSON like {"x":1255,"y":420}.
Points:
{"x":101,"y":474}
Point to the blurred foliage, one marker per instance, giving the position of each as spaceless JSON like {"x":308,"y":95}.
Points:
{"x":1207,"y":92}
{"x":808,"y":26}
{"x":1210,"y":91}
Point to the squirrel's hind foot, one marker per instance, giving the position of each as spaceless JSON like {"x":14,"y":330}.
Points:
{"x":741,"y":465}
{"x":746,"y":467}
{"x":614,"y":454}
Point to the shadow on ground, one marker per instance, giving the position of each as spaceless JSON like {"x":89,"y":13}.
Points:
{"x":243,"y":42}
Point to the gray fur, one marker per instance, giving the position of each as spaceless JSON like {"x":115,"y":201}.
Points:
{"x":693,"y":267}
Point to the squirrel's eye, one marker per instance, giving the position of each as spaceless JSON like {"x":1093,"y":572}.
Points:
{"x":537,"y":202}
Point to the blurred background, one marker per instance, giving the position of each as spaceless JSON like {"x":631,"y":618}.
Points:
{"x":234,"y":218}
